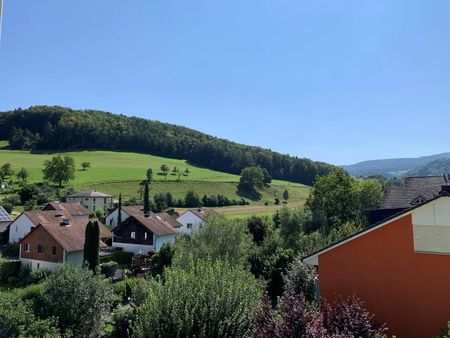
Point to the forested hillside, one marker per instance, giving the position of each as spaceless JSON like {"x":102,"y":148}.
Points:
{"x":59,"y":128}
{"x":437,"y":167}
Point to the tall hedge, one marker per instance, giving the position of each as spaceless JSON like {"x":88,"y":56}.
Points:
{"x":203,"y":299}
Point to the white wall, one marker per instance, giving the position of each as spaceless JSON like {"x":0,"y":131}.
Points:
{"x":134,"y":248}
{"x":18,"y":229}
{"x":190,"y":218}
{"x":431,"y":227}
{"x":160,"y":240}
{"x":93,"y":203}
{"x":111,"y":219}
{"x":34,"y":264}
{"x":74,"y":257}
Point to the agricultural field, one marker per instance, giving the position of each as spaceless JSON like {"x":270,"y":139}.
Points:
{"x":123,"y":172}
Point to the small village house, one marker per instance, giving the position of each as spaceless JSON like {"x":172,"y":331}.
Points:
{"x":57,"y":240}
{"x":414,"y":190}
{"x":28,"y":220}
{"x":143,"y":234}
{"x":129,"y":210}
{"x":92,"y":200}
{"x":399,"y":267}
{"x":192,"y":220}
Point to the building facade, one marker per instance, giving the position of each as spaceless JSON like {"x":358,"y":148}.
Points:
{"x":398,"y":267}
{"x":93,"y":200}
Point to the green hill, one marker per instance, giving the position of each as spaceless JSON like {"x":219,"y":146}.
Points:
{"x":121,"y":172}
{"x":60,"y":129}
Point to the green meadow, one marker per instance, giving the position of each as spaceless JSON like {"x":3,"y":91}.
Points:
{"x":122,"y":172}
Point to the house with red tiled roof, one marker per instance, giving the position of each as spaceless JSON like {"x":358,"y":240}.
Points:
{"x":56,"y":240}
{"x":28,"y":220}
{"x":76,"y":210}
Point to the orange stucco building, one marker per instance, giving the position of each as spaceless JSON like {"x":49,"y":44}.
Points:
{"x":400,"y":268}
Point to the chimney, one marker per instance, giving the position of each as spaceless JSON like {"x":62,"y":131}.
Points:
{"x":65,"y":222}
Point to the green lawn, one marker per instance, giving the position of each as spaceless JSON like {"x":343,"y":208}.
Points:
{"x":121,"y":172}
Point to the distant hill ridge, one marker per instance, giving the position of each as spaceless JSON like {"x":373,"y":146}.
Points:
{"x":60,"y":128}
{"x":399,"y":166}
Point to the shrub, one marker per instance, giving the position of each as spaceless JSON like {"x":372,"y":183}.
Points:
{"x":203,"y":299}
{"x":349,"y":317}
{"x":18,"y":320}
{"x":123,"y":317}
{"x":38,"y":275}
{"x":162,"y":258}
{"x":80,"y":315}
{"x":9,"y":269}
{"x":300,"y":279}
{"x":109,"y":268}
{"x":8,"y":207}
{"x":12,"y":250}
{"x":123,"y":257}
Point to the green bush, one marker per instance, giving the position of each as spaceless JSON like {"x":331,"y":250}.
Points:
{"x":78,"y":299}
{"x":9,"y":269}
{"x":12,"y":250}
{"x":18,"y":320}
{"x":204,"y":299}
{"x":109,"y":268}
{"x":38,"y":275}
{"x":123,"y":257}
{"x":123,"y":317}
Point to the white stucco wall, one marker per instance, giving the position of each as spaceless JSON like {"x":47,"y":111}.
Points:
{"x":134,"y":248}
{"x":431,"y":227}
{"x":93,"y":203}
{"x":111,"y":219}
{"x":21,"y":226}
{"x":160,"y":240}
{"x":74,"y":257}
{"x":190,"y":218}
{"x":34,"y":264}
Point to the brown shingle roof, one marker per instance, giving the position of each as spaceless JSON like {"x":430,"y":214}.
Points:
{"x":71,"y":237}
{"x":74,"y":209}
{"x":138,"y":210}
{"x":155,"y":224}
{"x":405,"y":195}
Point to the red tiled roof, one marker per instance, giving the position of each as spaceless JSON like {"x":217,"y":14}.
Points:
{"x":74,"y":209}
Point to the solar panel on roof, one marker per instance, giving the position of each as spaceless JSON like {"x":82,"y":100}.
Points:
{"x":4,"y":216}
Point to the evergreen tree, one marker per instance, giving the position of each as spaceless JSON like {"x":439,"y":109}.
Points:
{"x":286,"y":195}
{"x":119,"y":213}
{"x":146,"y":199}
{"x":91,"y":245}
{"x":149,"y":175}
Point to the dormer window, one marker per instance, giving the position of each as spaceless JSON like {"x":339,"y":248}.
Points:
{"x":418,"y":200}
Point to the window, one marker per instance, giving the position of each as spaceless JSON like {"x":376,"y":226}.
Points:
{"x":87,"y":199}
{"x":111,"y":221}
{"x":145,"y":235}
{"x":40,"y":248}
{"x":93,"y":199}
{"x":54,"y":250}
{"x":104,"y":200}
{"x":133,"y":235}
{"x":189,"y":225}
{"x":26,"y":247}
{"x":93,"y":208}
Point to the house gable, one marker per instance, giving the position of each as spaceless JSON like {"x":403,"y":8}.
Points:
{"x":133,"y":232}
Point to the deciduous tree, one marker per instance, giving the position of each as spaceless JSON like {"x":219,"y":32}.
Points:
{"x":59,"y":169}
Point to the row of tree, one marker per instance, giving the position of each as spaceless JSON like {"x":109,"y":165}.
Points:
{"x":57,"y":128}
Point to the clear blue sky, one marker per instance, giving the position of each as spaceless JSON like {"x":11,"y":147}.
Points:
{"x":338,"y":81}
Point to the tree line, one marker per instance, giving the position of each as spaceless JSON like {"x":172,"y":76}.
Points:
{"x":58,"y":128}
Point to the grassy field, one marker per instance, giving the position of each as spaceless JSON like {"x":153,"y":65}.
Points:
{"x":122,"y":172}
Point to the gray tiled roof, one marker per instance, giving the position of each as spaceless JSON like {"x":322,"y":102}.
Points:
{"x":404,"y":196}
{"x":90,"y":193}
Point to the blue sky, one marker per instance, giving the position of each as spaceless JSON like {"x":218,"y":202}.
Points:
{"x":337,"y":81}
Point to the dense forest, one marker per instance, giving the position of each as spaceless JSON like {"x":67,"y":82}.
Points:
{"x":59,"y":128}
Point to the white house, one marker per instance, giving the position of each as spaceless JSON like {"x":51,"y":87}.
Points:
{"x":92,"y":200}
{"x":192,"y":220}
